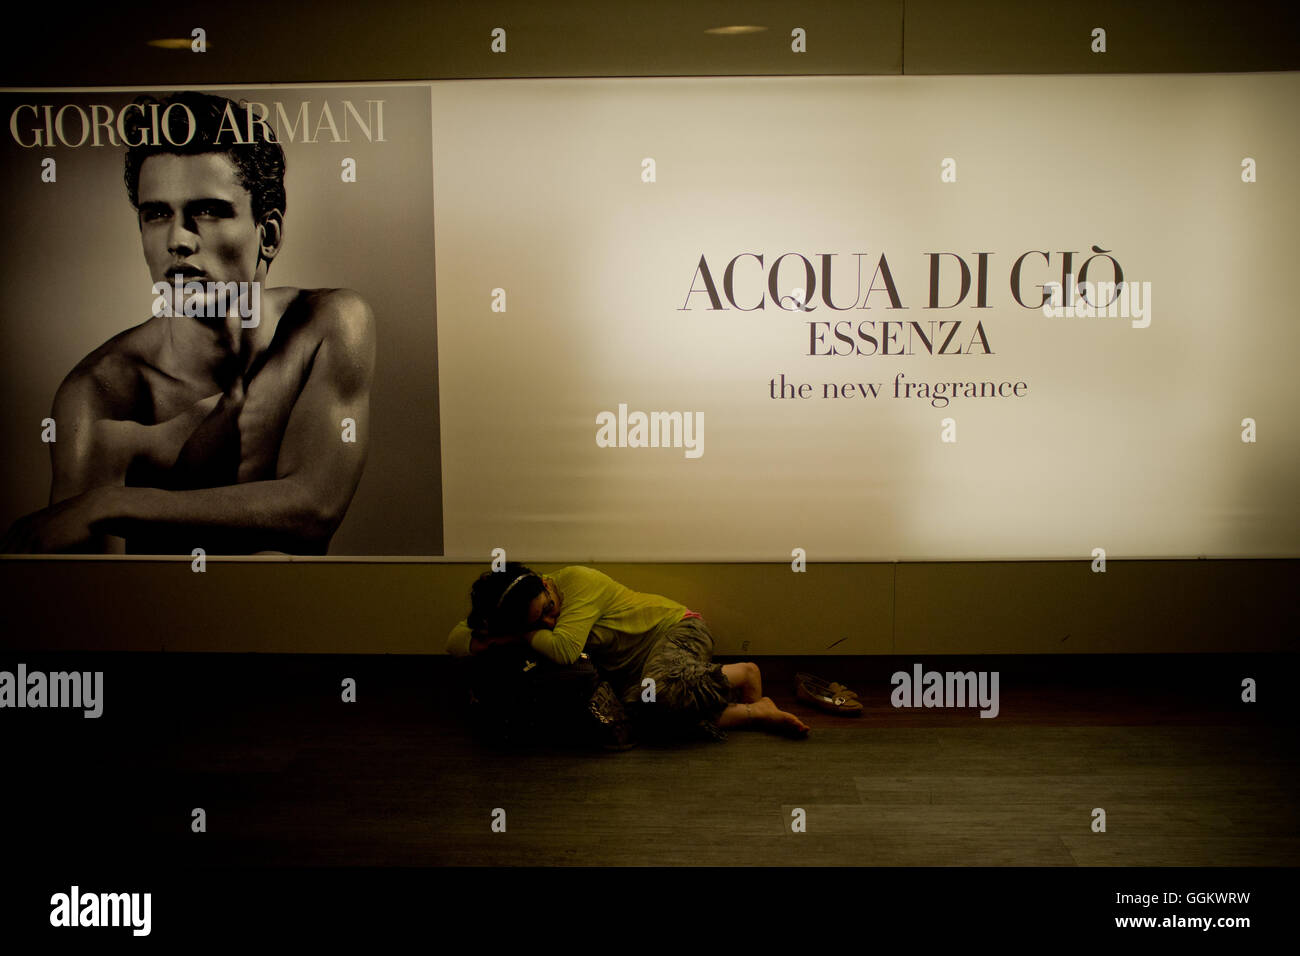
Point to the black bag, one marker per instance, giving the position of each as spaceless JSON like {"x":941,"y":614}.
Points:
{"x":520,"y":697}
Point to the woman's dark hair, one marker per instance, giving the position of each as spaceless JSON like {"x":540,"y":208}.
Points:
{"x":259,"y":164}
{"x":500,"y":599}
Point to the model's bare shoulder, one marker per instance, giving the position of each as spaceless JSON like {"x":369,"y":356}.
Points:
{"x":345,"y":325}
{"x":94,"y":409}
{"x":106,"y":382}
{"x":345,"y":316}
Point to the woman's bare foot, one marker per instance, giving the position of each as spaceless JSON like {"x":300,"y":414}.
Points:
{"x":765,"y":712}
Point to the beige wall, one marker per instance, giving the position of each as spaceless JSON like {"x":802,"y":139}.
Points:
{"x":1004,"y":608}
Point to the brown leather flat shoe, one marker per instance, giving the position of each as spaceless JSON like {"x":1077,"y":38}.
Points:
{"x":835,"y":689}
{"x":820,"y":697}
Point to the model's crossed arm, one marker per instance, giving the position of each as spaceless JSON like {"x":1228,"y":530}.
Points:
{"x":316,"y":471}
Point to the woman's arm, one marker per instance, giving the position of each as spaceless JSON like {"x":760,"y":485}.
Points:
{"x":480,"y":642}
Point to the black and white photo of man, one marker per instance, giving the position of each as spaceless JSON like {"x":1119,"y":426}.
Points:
{"x":210,"y":426}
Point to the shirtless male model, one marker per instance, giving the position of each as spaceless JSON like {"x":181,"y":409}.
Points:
{"x":210,"y":431}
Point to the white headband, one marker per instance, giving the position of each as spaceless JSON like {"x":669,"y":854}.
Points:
{"x":502,"y":599}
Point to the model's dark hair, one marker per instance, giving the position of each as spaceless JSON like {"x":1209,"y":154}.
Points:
{"x":259,"y":164}
{"x":500,"y":599}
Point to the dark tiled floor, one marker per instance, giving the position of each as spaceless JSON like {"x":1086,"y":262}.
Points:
{"x":289,"y":775}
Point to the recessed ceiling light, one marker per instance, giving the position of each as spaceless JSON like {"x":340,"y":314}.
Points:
{"x":734,"y":31}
